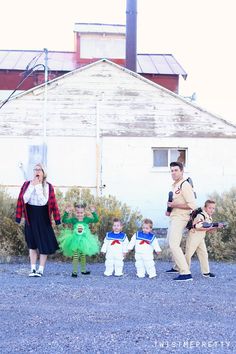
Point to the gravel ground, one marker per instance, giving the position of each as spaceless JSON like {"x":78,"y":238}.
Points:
{"x":96,"y":314}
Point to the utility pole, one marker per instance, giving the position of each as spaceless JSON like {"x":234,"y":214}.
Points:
{"x":45,"y":106}
{"x":45,"y":65}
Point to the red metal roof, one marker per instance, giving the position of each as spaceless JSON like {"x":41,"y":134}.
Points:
{"x":157,"y":64}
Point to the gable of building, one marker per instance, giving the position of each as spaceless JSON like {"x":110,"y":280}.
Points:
{"x":110,"y":98}
{"x":25,"y":69}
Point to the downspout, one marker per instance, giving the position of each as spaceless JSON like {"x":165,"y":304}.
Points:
{"x":97,"y":147}
{"x":45,"y":107}
{"x":99,"y":186}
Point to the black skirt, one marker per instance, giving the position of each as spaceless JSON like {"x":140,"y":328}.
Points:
{"x":39,"y":233}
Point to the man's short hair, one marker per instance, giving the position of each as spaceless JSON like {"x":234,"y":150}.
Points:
{"x":208,"y":201}
{"x":178,"y":164}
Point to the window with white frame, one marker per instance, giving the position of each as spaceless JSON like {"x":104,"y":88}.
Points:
{"x":162,"y":157}
{"x":37,"y":154}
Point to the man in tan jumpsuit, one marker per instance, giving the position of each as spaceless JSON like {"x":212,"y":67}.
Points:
{"x":182,"y":204}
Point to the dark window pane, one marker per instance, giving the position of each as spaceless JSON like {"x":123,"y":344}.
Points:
{"x":37,"y":154}
{"x":181,"y":156}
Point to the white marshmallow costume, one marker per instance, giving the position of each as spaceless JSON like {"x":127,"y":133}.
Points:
{"x":144,"y":244}
{"x":114,"y":245}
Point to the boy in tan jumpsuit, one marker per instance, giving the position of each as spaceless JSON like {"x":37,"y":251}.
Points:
{"x":182,"y":204}
{"x":196,"y":238}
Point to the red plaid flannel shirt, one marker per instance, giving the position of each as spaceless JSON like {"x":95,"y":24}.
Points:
{"x":52,"y":205}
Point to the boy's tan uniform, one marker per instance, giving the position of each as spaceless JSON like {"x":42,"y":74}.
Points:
{"x":196,"y":243}
{"x":178,"y":219}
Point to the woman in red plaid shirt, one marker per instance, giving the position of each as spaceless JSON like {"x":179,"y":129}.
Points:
{"x":36,"y":202}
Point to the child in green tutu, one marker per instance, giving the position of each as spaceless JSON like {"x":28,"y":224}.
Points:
{"x":79,"y":242}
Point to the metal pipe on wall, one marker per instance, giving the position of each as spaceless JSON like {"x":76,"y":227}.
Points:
{"x":45,"y":107}
{"x":99,"y":186}
{"x":97,"y":147}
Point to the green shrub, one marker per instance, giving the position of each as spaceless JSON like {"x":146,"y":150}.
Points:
{"x":107,"y":208}
{"x":12,"y":242}
{"x":222,"y":244}
{"x":11,"y":234}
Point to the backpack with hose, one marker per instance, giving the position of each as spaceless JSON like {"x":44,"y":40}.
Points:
{"x":190,"y":225}
{"x":170,"y":195}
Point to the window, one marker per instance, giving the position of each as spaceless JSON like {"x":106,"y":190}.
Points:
{"x":162,"y":157}
{"x":37,"y":154}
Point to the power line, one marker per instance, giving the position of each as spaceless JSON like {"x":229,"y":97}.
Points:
{"x":21,"y":82}
{"x":29,"y":71}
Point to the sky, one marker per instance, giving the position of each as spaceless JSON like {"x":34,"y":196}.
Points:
{"x":199,"y":33}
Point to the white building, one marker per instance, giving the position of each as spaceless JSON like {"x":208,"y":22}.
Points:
{"x":105,"y":125}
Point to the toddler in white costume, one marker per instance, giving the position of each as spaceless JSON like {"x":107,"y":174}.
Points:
{"x":145,"y":242}
{"x":115,"y":247}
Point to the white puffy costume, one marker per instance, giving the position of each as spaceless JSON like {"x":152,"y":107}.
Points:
{"x":145,"y":244}
{"x":114,"y":245}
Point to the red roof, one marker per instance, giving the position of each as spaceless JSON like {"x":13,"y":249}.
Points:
{"x":157,"y":64}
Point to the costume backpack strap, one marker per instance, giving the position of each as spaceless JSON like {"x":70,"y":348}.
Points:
{"x":190,"y":225}
{"x":189,"y":180}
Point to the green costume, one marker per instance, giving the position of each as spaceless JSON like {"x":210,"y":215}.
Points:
{"x":79,"y":242}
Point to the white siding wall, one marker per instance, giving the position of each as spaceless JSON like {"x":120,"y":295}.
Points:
{"x":127,"y":168}
{"x":102,"y":46}
{"x":72,"y":161}
{"x":210,"y":164}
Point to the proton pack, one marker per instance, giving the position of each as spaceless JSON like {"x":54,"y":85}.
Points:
{"x":192,"y":216}
{"x":189,"y":180}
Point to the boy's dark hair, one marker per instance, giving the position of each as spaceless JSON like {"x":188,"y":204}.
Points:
{"x":208,"y":201}
{"x":117,"y":220}
{"x":80,"y":206}
{"x":178,"y":164}
{"x":148,"y":221}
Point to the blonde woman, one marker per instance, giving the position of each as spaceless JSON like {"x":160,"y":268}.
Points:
{"x":36,"y":203}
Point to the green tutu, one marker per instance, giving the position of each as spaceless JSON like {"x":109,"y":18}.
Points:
{"x":80,"y":240}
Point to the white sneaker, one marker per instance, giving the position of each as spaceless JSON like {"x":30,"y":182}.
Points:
{"x":152,"y":276}
{"x":33,"y":273}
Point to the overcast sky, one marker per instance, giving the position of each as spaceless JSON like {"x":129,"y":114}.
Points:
{"x":199,"y":33}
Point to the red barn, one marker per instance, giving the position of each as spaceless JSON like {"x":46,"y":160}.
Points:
{"x":24,"y":69}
